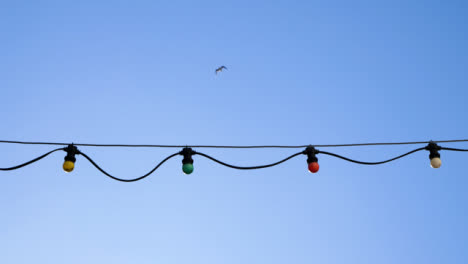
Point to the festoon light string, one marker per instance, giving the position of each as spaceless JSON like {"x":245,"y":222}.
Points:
{"x":187,"y":152}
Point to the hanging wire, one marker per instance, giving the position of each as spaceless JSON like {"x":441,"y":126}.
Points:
{"x":227,"y":146}
{"x":249,"y":167}
{"x":31,"y":161}
{"x":454,"y":149}
{"x":369,"y":163}
{"x":71,"y":149}
{"x":128,"y":180}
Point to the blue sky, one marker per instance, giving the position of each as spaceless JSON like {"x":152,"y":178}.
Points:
{"x":302,"y":72}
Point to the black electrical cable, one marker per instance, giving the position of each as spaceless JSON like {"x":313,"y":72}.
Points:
{"x":369,"y":163}
{"x":250,"y":167}
{"x":226,"y":146}
{"x":453,"y":149}
{"x":31,"y":161}
{"x":128,"y":180}
{"x":225,"y":164}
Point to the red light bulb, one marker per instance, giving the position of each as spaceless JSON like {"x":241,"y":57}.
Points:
{"x":314,"y":167}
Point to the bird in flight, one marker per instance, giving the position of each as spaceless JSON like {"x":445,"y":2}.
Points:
{"x":220,"y":69}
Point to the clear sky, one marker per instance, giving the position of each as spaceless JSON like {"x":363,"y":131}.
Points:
{"x":299,"y":72}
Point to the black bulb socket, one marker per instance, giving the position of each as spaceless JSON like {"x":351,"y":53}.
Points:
{"x":433,"y":149}
{"x":311,"y":152}
{"x":187,"y":153}
{"x":71,"y":150}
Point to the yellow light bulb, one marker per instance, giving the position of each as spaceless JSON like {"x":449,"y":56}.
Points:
{"x":68,"y":166}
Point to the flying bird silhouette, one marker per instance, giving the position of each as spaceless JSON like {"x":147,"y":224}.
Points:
{"x":220,"y":69}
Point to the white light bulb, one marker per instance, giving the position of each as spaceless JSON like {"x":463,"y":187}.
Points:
{"x":435,"y":163}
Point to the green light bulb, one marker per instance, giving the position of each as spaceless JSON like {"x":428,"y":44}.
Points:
{"x":187,"y":168}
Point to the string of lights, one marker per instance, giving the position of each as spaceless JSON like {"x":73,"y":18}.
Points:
{"x":187,"y":152}
{"x":226,"y":146}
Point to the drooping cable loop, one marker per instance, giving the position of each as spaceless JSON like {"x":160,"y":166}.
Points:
{"x":128,"y":180}
{"x":366,"y":162}
{"x":31,"y":161}
{"x":248,"y":167}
